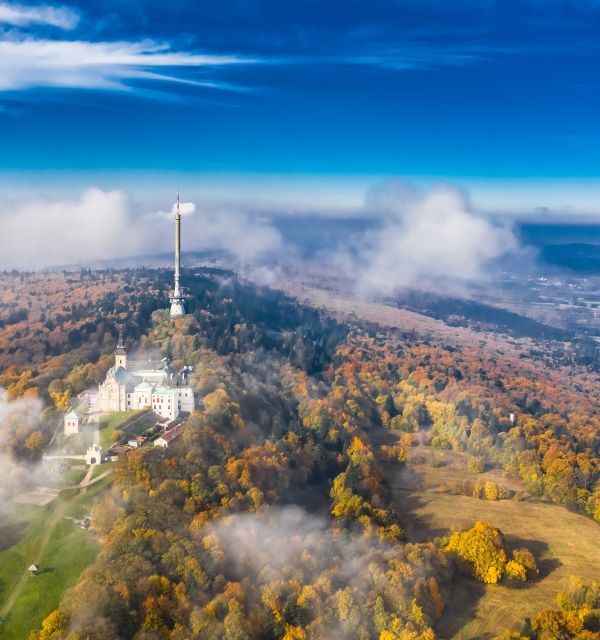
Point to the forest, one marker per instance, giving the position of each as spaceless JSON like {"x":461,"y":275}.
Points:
{"x":273,"y":515}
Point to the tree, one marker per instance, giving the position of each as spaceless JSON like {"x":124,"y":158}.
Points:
{"x":482,"y":551}
{"x":53,"y":627}
{"x":515,"y":572}
{"x":34,"y":442}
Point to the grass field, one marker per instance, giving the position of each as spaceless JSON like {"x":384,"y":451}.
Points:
{"x":46,"y":536}
{"x":111,"y":423}
{"x":563,"y":543}
{"x":74,"y":475}
{"x":78,"y":443}
{"x":99,"y":469}
{"x":19,"y":534}
{"x":69,"y":551}
{"x":81,"y":504}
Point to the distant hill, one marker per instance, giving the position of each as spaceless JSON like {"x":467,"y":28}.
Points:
{"x":575,"y":247}
{"x":480,"y":317}
{"x":579,"y":257}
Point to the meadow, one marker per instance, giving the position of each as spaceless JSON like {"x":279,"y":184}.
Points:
{"x":51,"y":538}
{"x":114,"y":425}
{"x":564,"y":544}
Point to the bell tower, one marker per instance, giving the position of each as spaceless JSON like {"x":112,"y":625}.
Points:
{"x":121,"y":353}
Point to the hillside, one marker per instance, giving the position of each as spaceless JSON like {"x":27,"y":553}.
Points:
{"x":315,"y":492}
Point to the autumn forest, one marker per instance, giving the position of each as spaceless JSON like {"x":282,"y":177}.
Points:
{"x":339,"y":479}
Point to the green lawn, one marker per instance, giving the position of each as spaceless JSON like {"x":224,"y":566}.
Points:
{"x":69,"y":551}
{"x":19,"y":533}
{"x":69,"y":462}
{"x":110,"y":423}
{"x":81,"y":505}
{"x":73,"y":476}
{"x":99,"y":469}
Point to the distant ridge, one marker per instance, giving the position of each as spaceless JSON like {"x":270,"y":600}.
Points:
{"x":578,"y":256}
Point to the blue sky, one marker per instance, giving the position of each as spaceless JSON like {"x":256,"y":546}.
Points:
{"x":501,"y":97}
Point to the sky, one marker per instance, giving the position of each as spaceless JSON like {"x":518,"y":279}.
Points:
{"x":490,"y":94}
{"x":254,"y":109}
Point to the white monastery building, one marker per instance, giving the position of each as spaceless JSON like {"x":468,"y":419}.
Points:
{"x":145,"y":385}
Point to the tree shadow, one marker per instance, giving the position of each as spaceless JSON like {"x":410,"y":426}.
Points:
{"x":539,"y":548}
{"x":461,"y":601}
{"x":384,"y":436}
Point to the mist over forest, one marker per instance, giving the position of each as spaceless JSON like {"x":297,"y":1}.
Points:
{"x":299,"y":320}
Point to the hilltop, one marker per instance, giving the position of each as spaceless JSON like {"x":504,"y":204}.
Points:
{"x":324,"y":449}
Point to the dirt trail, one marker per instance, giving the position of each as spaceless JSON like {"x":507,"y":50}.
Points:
{"x":88,"y":483}
{"x":86,"y":479}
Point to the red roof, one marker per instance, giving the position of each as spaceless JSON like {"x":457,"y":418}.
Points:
{"x":169,"y":436}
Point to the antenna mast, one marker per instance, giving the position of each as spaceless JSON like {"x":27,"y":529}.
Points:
{"x":176,"y":296}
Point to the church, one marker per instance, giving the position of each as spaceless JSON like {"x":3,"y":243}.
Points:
{"x":130,"y":386}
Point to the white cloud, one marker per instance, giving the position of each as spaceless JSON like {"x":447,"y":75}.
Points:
{"x":42,"y":233}
{"x":248,"y":238}
{"x":29,"y":62}
{"x":19,"y":15}
{"x":105,"y":225}
{"x":427,"y":237}
{"x":185,"y":208}
{"x":288,"y":543}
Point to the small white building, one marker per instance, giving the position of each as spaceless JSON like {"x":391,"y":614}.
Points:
{"x":76,"y":416}
{"x":72,"y":422}
{"x":94,"y":454}
{"x":168,"y":437}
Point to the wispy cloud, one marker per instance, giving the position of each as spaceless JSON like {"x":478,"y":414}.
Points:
{"x":19,"y":15}
{"x":29,"y":59}
{"x":27,"y":63}
{"x":413,"y":56}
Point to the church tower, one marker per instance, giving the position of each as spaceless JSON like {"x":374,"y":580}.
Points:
{"x":121,"y":353}
{"x":177,"y":296}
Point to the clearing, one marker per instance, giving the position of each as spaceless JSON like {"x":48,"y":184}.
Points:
{"x":564,"y":543}
{"x":48,"y":537}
